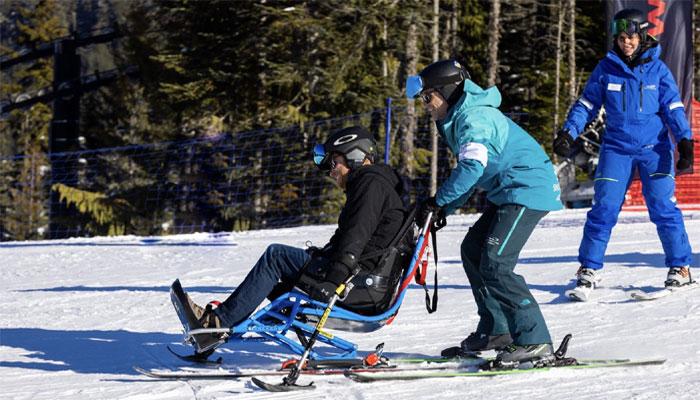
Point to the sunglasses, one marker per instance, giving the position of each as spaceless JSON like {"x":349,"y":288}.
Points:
{"x":427,"y":97}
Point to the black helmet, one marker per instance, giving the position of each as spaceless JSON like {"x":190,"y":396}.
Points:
{"x":632,"y":21}
{"x":444,"y":76}
{"x":355,"y":143}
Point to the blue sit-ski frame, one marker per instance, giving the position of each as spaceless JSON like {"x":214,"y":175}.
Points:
{"x":296,"y":311}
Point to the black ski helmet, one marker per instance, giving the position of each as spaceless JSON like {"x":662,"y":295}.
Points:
{"x":445,"y":76}
{"x":632,"y":21}
{"x":354,"y":142}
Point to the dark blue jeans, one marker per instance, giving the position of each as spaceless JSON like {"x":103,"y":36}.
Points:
{"x":278,"y":263}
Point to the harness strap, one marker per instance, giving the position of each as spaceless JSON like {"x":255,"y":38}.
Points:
{"x":430,"y":305}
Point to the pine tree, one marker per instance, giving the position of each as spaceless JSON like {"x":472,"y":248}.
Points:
{"x":23,"y":193}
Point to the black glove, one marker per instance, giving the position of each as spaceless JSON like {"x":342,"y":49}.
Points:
{"x":428,"y":206}
{"x":337,"y":273}
{"x":323,"y":291}
{"x":313,"y":251}
{"x":562,"y":143}
{"x":685,"y":149}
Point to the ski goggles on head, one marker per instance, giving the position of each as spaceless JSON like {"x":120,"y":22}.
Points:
{"x":414,"y":85}
{"x":629,"y":26}
{"x":321,"y":159}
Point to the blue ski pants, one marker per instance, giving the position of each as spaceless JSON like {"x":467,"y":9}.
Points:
{"x":613,"y":177}
{"x":490,"y":252}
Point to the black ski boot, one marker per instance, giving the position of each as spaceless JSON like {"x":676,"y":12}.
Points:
{"x":540,"y":355}
{"x":476,"y":343}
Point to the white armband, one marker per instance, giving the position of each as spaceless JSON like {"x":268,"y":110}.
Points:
{"x":474,"y":151}
{"x":675,"y":105}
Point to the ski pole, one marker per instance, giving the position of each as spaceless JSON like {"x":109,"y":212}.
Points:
{"x":296,"y":369}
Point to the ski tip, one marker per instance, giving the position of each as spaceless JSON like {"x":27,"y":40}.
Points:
{"x":144,"y":372}
{"x":282,"y":387}
{"x":576,"y":296}
{"x":357,"y":377}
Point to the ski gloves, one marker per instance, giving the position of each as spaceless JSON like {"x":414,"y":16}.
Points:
{"x":685,"y":149}
{"x":562,"y":143}
{"x":439,"y":217}
{"x":323,"y":291}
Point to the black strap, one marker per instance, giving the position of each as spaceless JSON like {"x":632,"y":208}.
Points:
{"x":431,"y":306}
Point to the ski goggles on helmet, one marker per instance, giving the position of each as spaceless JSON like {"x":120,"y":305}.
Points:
{"x":414,"y":85}
{"x":322,"y":160}
{"x":629,"y":26}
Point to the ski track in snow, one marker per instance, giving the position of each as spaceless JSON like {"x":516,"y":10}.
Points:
{"x":76,"y":314}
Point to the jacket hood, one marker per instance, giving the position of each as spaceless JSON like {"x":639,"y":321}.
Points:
{"x":476,"y":96}
{"x":382,"y":171}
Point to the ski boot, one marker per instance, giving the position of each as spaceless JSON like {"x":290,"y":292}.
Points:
{"x":538,"y":355}
{"x":678,"y":276}
{"x":530,"y":356}
{"x":586,"y":280}
{"x":207,"y":342}
{"x":476,"y":343}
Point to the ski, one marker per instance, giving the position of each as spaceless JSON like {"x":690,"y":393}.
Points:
{"x":578,"y":294}
{"x":282,"y":387}
{"x":410,"y":365}
{"x":323,"y":371}
{"x":639,"y":294}
{"x":361,"y":377}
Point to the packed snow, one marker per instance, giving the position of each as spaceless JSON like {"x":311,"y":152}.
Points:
{"x":77,"y":314}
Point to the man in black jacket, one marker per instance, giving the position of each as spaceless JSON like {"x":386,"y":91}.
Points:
{"x":371,"y":217}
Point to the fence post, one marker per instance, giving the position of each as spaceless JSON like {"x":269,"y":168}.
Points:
{"x":387,"y":131}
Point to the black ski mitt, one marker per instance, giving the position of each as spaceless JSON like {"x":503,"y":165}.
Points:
{"x":685,"y":149}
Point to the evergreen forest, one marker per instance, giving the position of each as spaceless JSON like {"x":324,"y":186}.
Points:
{"x":216,"y":67}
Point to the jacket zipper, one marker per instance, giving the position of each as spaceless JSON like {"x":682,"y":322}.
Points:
{"x":624,"y":103}
{"x":641,"y":95}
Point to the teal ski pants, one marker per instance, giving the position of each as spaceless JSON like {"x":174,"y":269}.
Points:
{"x":489,"y":254}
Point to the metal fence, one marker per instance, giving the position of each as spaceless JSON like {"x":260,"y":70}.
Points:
{"x":235,"y":181}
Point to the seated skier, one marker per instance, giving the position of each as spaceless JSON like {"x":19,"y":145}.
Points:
{"x":371,"y":217}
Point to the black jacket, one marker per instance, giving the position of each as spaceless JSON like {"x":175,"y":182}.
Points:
{"x":371,"y":218}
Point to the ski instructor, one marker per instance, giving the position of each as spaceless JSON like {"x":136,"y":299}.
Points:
{"x":371,"y":217}
{"x":641,"y":103}
{"x":499,"y":157}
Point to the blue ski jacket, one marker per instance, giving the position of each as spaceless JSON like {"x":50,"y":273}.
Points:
{"x":494,"y":154}
{"x":639,"y":103}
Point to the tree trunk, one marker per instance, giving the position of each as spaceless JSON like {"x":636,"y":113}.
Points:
{"x":572,"y":52}
{"x":407,"y":129}
{"x":557,"y":74}
{"x":494,"y":36}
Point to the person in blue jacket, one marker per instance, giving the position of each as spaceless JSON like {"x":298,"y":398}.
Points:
{"x":496,"y":155}
{"x":641,"y":102}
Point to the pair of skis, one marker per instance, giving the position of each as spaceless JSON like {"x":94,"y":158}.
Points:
{"x":403,"y":370}
{"x":582,"y":293}
{"x":446,"y":369}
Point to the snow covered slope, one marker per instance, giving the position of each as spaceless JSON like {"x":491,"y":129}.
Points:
{"x":76,"y":314}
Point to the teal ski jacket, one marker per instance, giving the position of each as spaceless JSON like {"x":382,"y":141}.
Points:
{"x":494,"y":154}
